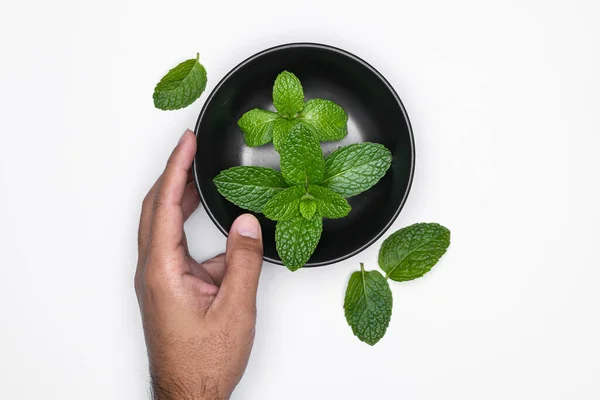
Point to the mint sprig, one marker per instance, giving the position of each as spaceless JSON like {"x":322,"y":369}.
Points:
{"x":181,"y":86}
{"x":314,"y":187}
{"x":406,"y":254}
{"x":305,"y":197}
{"x":325,"y":120}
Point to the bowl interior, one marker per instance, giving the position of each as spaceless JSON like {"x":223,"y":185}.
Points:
{"x":375,"y":114}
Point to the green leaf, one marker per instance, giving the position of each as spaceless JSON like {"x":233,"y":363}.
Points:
{"x":329,"y":203}
{"x":181,"y":86}
{"x":368,"y":305}
{"x":296,"y":239}
{"x":411,"y":252}
{"x":355,"y":168}
{"x":281,"y":130}
{"x":249,"y":187}
{"x":288,"y":95}
{"x":284,"y":205}
{"x":327,"y":119}
{"x":301,"y":157}
{"x":308,"y":207}
{"x":257,"y":126}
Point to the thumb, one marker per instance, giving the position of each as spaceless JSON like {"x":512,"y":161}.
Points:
{"x":243,"y":263}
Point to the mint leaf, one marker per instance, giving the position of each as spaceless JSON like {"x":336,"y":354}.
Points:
{"x":301,"y":157}
{"x":411,"y":252}
{"x":284,"y":205}
{"x":308,"y":207}
{"x":257,"y":126}
{"x":181,"y":86}
{"x":249,"y":187}
{"x":327,"y":119}
{"x":281,"y":129}
{"x":368,"y":305}
{"x":297,"y":239}
{"x":288,"y":95}
{"x":329,"y":203}
{"x":355,"y":168}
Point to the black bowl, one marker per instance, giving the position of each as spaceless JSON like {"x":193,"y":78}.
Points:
{"x":375,"y":113}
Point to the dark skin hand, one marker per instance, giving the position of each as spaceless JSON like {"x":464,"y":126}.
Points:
{"x":198,"y":318}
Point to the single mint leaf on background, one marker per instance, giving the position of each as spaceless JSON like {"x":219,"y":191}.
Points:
{"x":327,"y":120}
{"x":368,"y":305}
{"x":281,"y":129}
{"x":411,"y":252}
{"x":329,"y":203}
{"x":284,"y":205}
{"x":288,"y":95}
{"x":308,"y":207}
{"x":356,"y":168}
{"x":257,"y":126}
{"x":296,"y":239}
{"x":181,"y":86}
{"x":249,"y":187}
{"x":301,"y":158}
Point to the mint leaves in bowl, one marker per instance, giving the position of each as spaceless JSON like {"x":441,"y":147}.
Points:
{"x":348,"y":192}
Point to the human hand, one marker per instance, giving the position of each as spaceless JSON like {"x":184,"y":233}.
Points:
{"x":198,"y":318}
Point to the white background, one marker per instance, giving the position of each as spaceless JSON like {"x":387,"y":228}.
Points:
{"x":504,"y":102}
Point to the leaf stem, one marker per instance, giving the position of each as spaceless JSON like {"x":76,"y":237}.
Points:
{"x":364,"y":282}
{"x":197,"y":56}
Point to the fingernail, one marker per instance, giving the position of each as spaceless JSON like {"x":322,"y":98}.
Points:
{"x":247,"y":225}
{"x":183,"y":136}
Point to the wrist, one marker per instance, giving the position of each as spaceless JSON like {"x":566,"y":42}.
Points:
{"x":172,"y":388}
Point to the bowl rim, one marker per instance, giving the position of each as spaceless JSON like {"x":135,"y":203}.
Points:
{"x":378,"y":75}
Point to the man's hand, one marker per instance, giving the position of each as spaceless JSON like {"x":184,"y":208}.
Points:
{"x":198,"y":319}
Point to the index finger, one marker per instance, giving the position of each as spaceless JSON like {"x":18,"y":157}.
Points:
{"x":166,"y":232}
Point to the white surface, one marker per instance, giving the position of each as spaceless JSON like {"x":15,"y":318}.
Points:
{"x":504,"y":104}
